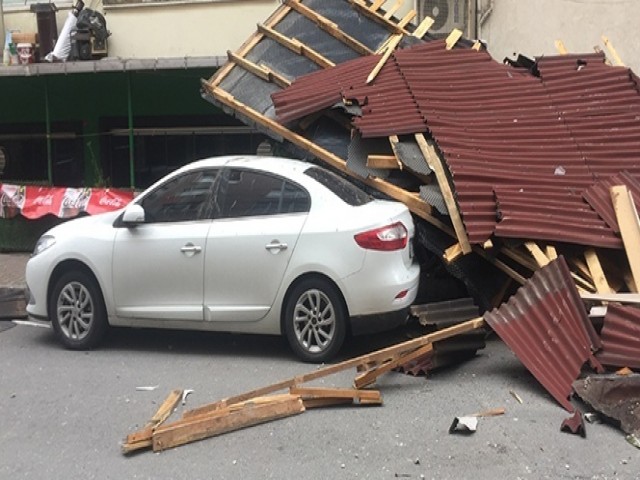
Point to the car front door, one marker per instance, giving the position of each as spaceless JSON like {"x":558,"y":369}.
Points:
{"x":158,"y":265}
{"x":250,"y":243}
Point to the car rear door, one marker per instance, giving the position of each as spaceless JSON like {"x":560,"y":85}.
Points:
{"x":158,"y":266}
{"x":249,"y":245}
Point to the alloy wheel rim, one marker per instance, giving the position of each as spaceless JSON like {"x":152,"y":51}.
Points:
{"x":314,"y":321}
{"x":75,"y":311}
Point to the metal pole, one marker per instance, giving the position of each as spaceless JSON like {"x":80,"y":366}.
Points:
{"x":47,"y":117}
{"x":130,"y":115}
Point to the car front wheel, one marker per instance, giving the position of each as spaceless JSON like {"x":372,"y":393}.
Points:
{"x":77,"y":311}
{"x":315,"y":320}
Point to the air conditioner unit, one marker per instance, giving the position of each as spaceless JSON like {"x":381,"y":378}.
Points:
{"x":448,"y":14}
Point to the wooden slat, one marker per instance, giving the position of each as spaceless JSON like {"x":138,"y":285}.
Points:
{"x":477,"y":46}
{"x":453,"y":252}
{"x":396,"y":6}
{"x":369,"y":397}
{"x":369,"y":377}
{"x":380,"y":18}
{"x":436,"y":165}
{"x":612,"y":297}
{"x":612,"y":52}
{"x":296,"y":46}
{"x":393,"y":43}
{"x":248,"y":45}
{"x":560,"y":47}
{"x":389,"y":162}
{"x":376,"y":5}
{"x":328,"y":26}
{"x":627,"y":217}
{"x":142,"y":438}
{"x":407,"y":18}
{"x":537,"y":253}
{"x":597,"y":272}
{"x":259,"y":71}
{"x":377,"y":356}
{"x":223,"y":421}
{"x":551,"y":252}
{"x":453,"y":38}
{"x":424,"y":27}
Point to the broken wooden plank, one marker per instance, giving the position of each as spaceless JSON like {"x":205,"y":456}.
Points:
{"x":396,"y":6}
{"x":551,"y":252}
{"x":376,"y":5}
{"x":391,"y":46}
{"x":612,"y":51}
{"x":142,"y":438}
{"x":537,"y":253}
{"x":223,"y":421}
{"x":453,"y":252}
{"x":407,"y":18}
{"x":388,"y":162}
{"x":377,"y":356}
{"x":453,"y":38}
{"x":612,"y":297}
{"x":597,"y":272}
{"x":629,"y":224}
{"x":368,"y":397}
{"x":560,"y":47}
{"x":423,"y":28}
{"x":369,"y":377}
{"x":436,"y":165}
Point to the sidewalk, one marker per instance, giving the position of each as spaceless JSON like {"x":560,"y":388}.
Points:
{"x":12,"y":285}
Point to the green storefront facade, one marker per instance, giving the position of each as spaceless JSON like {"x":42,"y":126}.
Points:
{"x":106,"y":124}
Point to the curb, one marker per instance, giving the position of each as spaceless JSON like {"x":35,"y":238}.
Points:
{"x":13,"y":303}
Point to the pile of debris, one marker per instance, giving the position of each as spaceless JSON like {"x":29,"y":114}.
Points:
{"x":523,"y":177}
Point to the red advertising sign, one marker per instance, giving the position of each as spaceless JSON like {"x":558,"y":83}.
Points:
{"x":35,"y":202}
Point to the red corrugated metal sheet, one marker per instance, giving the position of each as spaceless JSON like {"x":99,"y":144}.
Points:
{"x":621,"y":337}
{"x":559,"y":214}
{"x":499,"y":129}
{"x":599,"y":196}
{"x":600,"y":105}
{"x":545,"y":324}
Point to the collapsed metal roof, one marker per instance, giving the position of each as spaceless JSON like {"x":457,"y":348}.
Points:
{"x":510,"y":162}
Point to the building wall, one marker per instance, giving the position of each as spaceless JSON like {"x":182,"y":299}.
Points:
{"x":531,"y":27}
{"x":157,"y":30}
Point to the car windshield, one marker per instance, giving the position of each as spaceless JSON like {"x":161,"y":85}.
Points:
{"x":341,"y":187}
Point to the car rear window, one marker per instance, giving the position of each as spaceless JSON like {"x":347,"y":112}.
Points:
{"x":341,"y":187}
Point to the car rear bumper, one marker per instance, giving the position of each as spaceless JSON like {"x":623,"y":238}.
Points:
{"x":380,"y":322}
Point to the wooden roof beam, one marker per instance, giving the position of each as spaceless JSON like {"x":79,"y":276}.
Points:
{"x":296,"y":46}
{"x":260,"y":71}
{"x":328,"y":26}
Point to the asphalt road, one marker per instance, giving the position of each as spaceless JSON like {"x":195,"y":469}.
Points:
{"x":63,"y":415}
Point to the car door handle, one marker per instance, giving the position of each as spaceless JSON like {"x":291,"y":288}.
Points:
{"x":191,"y":249}
{"x":275,"y":246}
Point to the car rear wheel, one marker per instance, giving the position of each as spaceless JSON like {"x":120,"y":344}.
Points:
{"x":315,"y":320}
{"x":77,"y":311}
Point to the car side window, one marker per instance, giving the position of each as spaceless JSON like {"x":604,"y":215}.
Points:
{"x":181,"y":199}
{"x":244,"y":193}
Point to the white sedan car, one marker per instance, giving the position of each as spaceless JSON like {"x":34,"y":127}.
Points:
{"x":232,"y":244}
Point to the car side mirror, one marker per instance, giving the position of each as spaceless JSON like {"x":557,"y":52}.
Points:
{"x":133,"y":215}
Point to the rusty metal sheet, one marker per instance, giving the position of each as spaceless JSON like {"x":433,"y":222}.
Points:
{"x":546,"y":325}
{"x":599,"y":196}
{"x":558,"y":214}
{"x":621,"y":337}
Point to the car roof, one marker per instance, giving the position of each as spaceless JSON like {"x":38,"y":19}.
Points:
{"x":286,"y":166}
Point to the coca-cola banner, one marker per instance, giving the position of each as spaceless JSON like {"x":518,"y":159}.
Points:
{"x":34,"y":202}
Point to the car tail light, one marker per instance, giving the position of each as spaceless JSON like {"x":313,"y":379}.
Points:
{"x":388,"y":238}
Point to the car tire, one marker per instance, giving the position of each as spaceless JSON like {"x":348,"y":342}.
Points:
{"x":77,"y":311}
{"x":315,"y":320}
